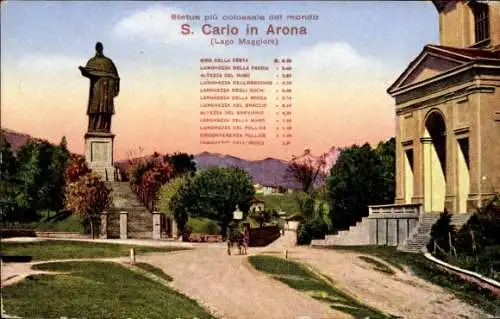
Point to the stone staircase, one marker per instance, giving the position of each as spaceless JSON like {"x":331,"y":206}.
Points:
{"x":417,"y":242}
{"x":358,"y":234}
{"x":139,"y":218}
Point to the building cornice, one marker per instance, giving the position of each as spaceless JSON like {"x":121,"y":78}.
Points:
{"x":459,"y":93}
{"x":444,"y":76}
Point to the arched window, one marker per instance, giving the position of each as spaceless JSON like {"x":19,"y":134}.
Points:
{"x":481,"y":20}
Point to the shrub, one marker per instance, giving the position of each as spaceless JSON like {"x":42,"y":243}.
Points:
{"x":205,"y":226}
{"x":440,"y":234}
{"x":186,"y":232}
{"x":309,"y":230}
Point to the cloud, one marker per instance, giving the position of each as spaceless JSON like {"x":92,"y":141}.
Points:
{"x":49,"y":62}
{"x":337,"y":60}
{"x":154,"y":24}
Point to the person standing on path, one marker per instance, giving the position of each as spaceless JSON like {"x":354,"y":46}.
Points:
{"x":246,"y":239}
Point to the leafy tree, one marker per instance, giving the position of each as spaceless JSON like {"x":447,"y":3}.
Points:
{"x":170,"y":196}
{"x":60,"y":158}
{"x":147,"y":176}
{"x":387,"y":154}
{"x":182,"y":163}
{"x":215,"y":192}
{"x":35,"y":158}
{"x":88,"y":197}
{"x":77,"y":167}
{"x":152,"y":180}
{"x":361,"y":176}
{"x":177,"y":203}
{"x":9,"y":185}
{"x":306,"y":170}
{"x":41,"y":174}
{"x":441,"y":232}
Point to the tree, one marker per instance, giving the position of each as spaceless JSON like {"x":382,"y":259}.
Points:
{"x":152,"y":180}
{"x":88,"y":197}
{"x":168,"y":192}
{"x":182,"y":163}
{"x":77,"y":167}
{"x":387,"y":154}
{"x":215,"y":192}
{"x":39,"y":169}
{"x":60,"y":158}
{"x":177,"y":203}
{"x":442,"y":232}
{"x":361,"y":176}
{"x":9,"y":184}
{"x":147,"y":176}
{"x":306,"y":170}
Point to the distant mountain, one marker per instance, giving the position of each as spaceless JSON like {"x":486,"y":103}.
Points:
{"x":269,"y":171}
{"x":15,"y":139}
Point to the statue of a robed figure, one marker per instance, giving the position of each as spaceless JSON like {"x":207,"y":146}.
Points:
{"x":104,"y":87}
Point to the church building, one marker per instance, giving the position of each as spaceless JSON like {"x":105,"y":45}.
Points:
{"x":447,"y":131}
{"x":448,"y":113}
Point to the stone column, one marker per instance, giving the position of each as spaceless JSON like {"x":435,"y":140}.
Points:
{"x":123,"y":225}
{"x":175,"y":231}
{"x":156,"y":225}
{"x":104,"y":226}
{"x":427,"y":173}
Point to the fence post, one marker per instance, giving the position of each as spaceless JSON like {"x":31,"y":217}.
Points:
{"x":132,"y":256}
{"x":156,"y":225}
{"x":123,"y":225}
{"x":104,"y":226}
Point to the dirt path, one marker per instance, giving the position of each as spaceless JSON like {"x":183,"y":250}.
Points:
{"x":401,"y":294}
{"x":233,"y":288}
{"x":229,"y":286}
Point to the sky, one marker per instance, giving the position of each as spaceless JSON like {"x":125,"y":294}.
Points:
{"x":341,"y":69}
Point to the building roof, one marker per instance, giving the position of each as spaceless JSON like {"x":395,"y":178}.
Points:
{"x":444,"y":59}
{"x":470,"y":53}
{"x":257,"y":201}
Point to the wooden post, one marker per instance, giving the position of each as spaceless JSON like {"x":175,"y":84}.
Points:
{"x":132,"y":256}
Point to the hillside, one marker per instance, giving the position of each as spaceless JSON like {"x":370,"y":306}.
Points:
{"x":15,"y":139}
{"x":268,"y":171}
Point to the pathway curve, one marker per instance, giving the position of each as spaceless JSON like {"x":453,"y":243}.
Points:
{"x":229,"y":286}
{"x":402,"y":294}
{"x":233,"y":288}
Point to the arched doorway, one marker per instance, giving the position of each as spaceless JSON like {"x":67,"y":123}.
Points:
{"x":434,"y":144}
{"x":463,"y":173}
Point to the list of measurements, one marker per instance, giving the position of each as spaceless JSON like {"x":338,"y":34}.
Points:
{"x":245,"y":103}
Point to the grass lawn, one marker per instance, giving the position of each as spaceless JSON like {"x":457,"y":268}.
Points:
{"x":95,"y":290}
{"x":378,"y":266}
{"x":425,"y":269}
{"x":298,"y":277}
{"x":52,"y":221}
{"x":154,"y":270}
{"x":284,"y":202}
{"x":62,"y":249}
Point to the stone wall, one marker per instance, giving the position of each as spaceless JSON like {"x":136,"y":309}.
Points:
{"x":263,"y":236}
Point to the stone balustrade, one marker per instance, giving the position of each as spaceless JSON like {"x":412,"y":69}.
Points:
{"x":392,"y":224}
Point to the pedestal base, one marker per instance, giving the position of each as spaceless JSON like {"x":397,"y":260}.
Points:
{"x":99,"y":154}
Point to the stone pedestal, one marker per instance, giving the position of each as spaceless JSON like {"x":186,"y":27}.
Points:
{"x":156,"y":225}
{"x":99,"y":154}
{"x":123,"y":225}
{"x":104,"y":226}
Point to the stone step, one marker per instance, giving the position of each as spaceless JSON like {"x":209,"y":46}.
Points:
{"x":139,"y":218}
